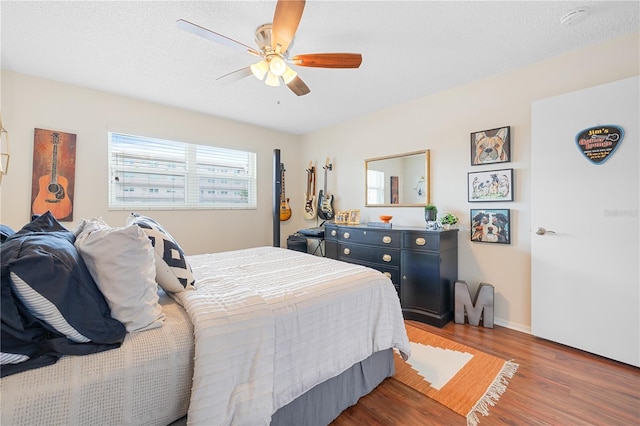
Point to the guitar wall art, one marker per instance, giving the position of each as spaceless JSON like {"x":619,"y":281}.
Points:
{"x":285,"y":207}
{"x":53,"y":176}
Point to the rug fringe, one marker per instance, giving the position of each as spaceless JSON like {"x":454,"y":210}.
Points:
{"x":492,"y":395}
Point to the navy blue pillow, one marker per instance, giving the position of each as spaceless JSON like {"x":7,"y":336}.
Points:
{"x":49,"y":284}
{"x":5,"y":232}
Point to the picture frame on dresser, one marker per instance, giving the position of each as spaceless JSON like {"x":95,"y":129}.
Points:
{"x":490,"y":186}
{"x":491,"y":226}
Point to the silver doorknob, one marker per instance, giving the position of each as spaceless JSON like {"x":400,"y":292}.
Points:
{"x":542,"y":231}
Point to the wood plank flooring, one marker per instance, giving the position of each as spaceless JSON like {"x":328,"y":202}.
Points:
{"x":554,"y":385}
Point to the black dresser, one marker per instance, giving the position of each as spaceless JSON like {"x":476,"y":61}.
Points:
{"x":423,"y":265}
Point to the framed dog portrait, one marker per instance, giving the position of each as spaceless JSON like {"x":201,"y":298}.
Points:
{"x":490,"y":185}
{"x":491,"y":226}
{"x":491,"y":146}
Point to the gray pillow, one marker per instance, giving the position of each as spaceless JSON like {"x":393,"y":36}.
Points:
{"x":121,"y":261}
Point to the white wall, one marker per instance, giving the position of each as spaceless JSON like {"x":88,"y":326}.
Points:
{"x":443,"y":123}
{"x":29,"y":102}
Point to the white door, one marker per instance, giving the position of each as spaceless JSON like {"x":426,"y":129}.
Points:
{"x":585,"y":281}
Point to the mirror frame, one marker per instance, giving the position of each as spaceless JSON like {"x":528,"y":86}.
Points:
{"x":427,"y":176}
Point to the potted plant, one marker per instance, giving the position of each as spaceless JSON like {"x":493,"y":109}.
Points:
{"x":448,"y":219}
{"x":430,"y":213}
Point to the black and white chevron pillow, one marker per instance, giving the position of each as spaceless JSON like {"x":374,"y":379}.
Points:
{"x":173,"y":272}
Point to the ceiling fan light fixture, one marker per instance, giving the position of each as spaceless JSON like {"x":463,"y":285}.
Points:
{"x":277,"y":65}
{"x":289,"y":75}
{"x":259,"y":69}
{"x":272,"y":80}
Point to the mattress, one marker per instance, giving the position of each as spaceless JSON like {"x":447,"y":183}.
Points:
{"x":147,"y":381}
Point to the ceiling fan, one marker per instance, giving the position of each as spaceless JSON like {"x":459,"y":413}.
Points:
{"x":274,"y":41}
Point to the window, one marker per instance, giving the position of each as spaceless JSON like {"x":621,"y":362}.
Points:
{"x":375,"y":188}
{"x":160,"y":174}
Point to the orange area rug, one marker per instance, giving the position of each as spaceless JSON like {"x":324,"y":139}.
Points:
{"x":461,"y":378}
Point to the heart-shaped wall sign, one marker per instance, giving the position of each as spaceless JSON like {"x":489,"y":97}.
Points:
{"x":597,"y":144}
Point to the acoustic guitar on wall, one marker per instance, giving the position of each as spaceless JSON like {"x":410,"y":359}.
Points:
{"x":325,"y":200}
{"x":285,"y":208}
{"x":52,"y":195}
{"x":310,"y":209}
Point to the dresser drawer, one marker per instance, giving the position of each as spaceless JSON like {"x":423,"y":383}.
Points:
{"x":417,"y":240}
{"x":374,"y":255}
{"x":330,"y":232}
{"x":373,"y":237}
{"x":391,"y":272}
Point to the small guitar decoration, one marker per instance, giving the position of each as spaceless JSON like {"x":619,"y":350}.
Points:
{"x":325,"y":201}
{"x":285,"y":208}
{"x":52,"y":195}
{"x":310,"y":210}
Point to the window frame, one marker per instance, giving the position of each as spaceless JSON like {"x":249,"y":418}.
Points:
{"x":189,"y":172}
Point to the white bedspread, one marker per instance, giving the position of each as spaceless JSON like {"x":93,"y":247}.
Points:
{"x":272,"y":323}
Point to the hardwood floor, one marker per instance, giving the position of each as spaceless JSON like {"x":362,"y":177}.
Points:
{"x":554,"y":385}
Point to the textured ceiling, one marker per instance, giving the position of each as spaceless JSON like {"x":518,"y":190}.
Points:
{"x":410,"y":49}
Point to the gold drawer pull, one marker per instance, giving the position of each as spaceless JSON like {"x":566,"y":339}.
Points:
{"x":386,"y":239}
{"x":387,"y":274}
{"x":333,"y":232}
{"x":346,"y":235}
{"x":346,"y":250}
{"x":386,"y":257}
{"x":421,"y":241}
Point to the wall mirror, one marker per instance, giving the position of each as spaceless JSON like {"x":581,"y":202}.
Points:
{"x":398,"y":180}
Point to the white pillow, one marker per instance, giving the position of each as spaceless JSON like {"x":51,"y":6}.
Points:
{"x":173,"y":271}
{"x":121,"y":262}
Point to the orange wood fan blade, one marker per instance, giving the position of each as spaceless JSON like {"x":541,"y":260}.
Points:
{"x":298,"y":87}
{"x":328,"y":60}
{"x":285,"y":23}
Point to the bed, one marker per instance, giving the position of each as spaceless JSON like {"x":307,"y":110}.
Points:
{"x":257,"y":336}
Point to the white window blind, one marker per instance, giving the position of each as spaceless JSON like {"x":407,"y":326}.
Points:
{"x":375,"y":187}
{"x":160,"y":174}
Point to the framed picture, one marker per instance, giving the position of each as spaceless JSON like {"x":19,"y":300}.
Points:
{"x":53,"y":174}
{"x":491,"y":226}
{"x":490,"y":185}
{"x":491,"y":146}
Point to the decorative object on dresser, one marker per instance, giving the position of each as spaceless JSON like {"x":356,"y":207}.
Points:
{"x":459,"y":377}
{"x":285,"y":208}
{"x":422,"y":264}
{"x":310,"y":210}
{"x":430,"y":213}
{"x":430,"y":216}
{"x":448,"y":220}
{"x":325,"y":200}
{"x":347,"y":217}
{"x":385,"y":218}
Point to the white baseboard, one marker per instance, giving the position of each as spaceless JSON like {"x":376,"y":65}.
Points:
{"x":514,"y":326}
